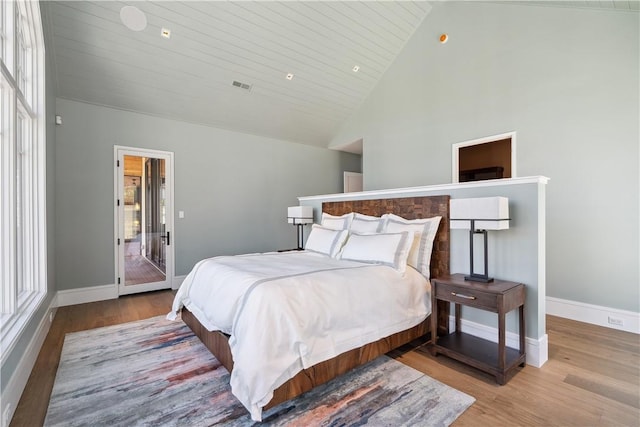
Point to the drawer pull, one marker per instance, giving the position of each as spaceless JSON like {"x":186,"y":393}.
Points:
{"x":462,"y":296}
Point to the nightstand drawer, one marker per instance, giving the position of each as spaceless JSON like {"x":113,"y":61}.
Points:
{"x":468,"y":297}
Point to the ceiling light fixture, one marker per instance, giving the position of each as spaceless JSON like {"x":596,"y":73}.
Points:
{"x":166,"y":33}
{"x":241,"y":85}
{"x":290,"y":76}
{"x":356,"y":68}
{"x":444,"y":38}
{"x":133,"y":18}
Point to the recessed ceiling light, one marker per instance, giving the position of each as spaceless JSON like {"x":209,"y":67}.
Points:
{"x":290,"y":76}
{"x":133,"y":18}
{"x":356,"y":68}
{"x":444,"y":38}
{"x":166,"y":33}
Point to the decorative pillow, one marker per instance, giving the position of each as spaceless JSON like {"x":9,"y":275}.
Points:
{"x":424,"y":233}
{"x":389,"y":249}
{"x":366,"y":224}
{"x":333,"y":222}
{"x":325,"y":240}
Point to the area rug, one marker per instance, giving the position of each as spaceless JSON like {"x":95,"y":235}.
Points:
{"x":157,"y":373}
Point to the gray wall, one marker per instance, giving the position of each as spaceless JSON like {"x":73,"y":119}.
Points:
{"x":567,"y":81}
{"x":234,"y":188}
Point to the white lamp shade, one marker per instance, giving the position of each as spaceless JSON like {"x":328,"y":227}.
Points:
{"x":300,"y":214}
{"x":496,"y":209}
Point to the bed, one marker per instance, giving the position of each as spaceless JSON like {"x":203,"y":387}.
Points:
{"x":220,"y":334}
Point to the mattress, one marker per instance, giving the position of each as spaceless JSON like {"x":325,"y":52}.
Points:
{"x":288,"y":311}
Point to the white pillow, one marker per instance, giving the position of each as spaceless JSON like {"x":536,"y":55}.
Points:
{"x":333,"y":222}
{"x":389,"y":249}
{"x":366,"y":224}
{"x":325,"y":240}
{"x":424,"y":233}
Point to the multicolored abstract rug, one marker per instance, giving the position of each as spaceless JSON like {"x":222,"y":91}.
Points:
{"x":157,"y":373}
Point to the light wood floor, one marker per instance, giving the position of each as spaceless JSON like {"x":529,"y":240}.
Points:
{"x":138,"y":269}
{"x":592,"y":377}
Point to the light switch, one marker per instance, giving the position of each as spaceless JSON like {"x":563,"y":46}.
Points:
{"x":180,"y":214}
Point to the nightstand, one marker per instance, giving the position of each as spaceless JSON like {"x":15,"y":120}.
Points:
{"x":499,"y":297}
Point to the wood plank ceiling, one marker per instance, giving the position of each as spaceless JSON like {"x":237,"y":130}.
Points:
{"x":618,"y":5}
{"x":190,"y":76}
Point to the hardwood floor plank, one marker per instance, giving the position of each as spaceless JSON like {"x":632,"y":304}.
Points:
{"x":592,"y":377}
{"x":623,"y":353}
{"x":604,"y":390}
{"x":597,"y":364}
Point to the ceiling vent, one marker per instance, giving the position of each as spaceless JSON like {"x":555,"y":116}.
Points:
{"x":241,"y":85}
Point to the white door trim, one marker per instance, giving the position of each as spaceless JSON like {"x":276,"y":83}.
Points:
{"x":347,"y":181}
{"x":118,"y":214}
{"x":455,"y":152}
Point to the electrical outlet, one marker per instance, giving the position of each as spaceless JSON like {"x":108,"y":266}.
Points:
{"x":6,"y":414}
{"x":615,"y":321}
{"x":51,"y":317}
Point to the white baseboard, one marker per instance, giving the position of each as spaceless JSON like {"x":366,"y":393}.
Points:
{"x":98,"y":293}
{"x":13,"y":391}
{"x":88,"y":294}
{"x":537,"y":350}
{"x":177,"y":281}
{"x":628,"y":321}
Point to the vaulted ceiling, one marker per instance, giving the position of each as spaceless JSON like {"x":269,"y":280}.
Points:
{"x":190,"y":76}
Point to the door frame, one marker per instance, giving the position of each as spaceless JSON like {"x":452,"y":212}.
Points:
{"x":455,"y":152}
{"x":119,"y":152}
{"x":345,"y":180}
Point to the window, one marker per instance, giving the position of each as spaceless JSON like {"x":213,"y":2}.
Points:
{"x":22,"y":168}
{"x":3,"y":6}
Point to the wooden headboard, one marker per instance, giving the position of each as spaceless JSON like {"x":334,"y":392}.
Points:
{"x":408,"y":208}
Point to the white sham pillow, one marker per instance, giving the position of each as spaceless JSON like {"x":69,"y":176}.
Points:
{"x":325,"y":240}
{"x":333,"y":222}
{"x":389,"y":249}
{"x":424,"y":231}
{"x":366,"y":224}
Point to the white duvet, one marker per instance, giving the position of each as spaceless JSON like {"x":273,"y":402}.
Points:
{"x":288,"y":311}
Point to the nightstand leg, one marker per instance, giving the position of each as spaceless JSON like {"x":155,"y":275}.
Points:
{"x":434,"y":322}
{"x":434,"y":319}
{"x":522,"y":332}
{"x":458,"y":313}
{"x":501,"y":340}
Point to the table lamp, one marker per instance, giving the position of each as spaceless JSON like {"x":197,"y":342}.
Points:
{"x":299,"y":216}
{"x":479,"y":215}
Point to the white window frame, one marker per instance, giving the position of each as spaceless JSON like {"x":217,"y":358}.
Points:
{"x":7,"y":30}
{"x":22,"y":152}
{"x":3,"y":38}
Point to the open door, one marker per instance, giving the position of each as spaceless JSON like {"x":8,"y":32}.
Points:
{"x":144,"y":222}
{"x":352,"y":182}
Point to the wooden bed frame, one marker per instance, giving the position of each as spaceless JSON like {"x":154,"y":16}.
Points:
{"x":409,"y":208}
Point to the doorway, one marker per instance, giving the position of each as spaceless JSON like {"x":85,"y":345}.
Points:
{"x":352,"y":182}
{"x":491,"y":157}
{"x":144,"y":221}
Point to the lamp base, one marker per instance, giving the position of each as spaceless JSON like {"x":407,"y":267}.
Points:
{"x":300,"y":236}
{"x":478,"y":278}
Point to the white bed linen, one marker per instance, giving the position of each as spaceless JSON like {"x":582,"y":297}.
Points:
{"x":288,"y":311}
